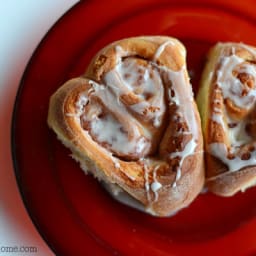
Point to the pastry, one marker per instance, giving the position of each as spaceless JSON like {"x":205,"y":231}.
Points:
{"x":132,"y":122}
{"x":226,"y":101}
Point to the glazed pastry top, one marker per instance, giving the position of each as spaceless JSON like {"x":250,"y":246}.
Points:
{"x":132,"y":114}
{"x":232,"y":103}
{"x":126,"y":111}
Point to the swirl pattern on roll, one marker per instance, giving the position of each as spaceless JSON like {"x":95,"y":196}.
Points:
{"x":230,"y":132}
{"x":134,"y":117}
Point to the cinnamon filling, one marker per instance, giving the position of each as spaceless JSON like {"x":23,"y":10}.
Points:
{"x":235,"y":115}
{"x":141,"y":110}
{"x":126,"y":114}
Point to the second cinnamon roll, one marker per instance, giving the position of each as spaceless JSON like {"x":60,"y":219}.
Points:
{"x":226,"y":101}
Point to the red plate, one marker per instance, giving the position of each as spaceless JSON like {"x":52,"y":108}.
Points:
{"x":72,"y":211}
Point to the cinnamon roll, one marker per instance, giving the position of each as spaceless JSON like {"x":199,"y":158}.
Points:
{"x":132,"y":122}
{"x":226,"y":101}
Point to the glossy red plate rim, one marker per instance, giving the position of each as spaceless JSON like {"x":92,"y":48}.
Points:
{"x":13,"y":128}
{"x":16,"y":165}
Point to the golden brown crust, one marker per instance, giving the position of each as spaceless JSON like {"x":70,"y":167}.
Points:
{"x":136,"y":173}
{"x":230,"y":183}
{"x":225,"y":101}
{"x":145,"y":47}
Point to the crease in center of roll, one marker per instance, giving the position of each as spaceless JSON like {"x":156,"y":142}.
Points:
{"x":183,"y":99}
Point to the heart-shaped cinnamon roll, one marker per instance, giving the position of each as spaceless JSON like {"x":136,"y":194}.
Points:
{"x":131,"y":120}
{"x":226,"y":101}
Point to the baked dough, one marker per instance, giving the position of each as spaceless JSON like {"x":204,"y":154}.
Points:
{"x":226,"y":101}
{"x":132,"y":122}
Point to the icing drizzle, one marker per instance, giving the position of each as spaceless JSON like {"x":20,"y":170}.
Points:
{"x":235,"y":81}
{"x":119,"y":129}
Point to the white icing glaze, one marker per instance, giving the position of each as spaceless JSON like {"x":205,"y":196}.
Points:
{"x":120,"y":53}
{"x":216,"y":110}
{"x":147,"y":185}
{"x":81,"y":102}
{"x":146,"y":82}
{"x":217,"y":114}
{"x":183,"y":94}
{"x":127,"y":77}
{"x":128,"y":175}
{"x":184,"y":98}
{"x":155,"y":185}
{"x":71,"y":115}
{"x":218,"y":118}
{"x":220,"y":151}
{"x":246,"y":47}
{"x":173,"y":98}
{"x":156,"y":116}
{"x":210,"y":75}
{"x":188,"y":150}
{"x":109,"y":130}
{"x":142,"y":81}
{"x":232,"y":88}
{"x":238,"y":135}
{"x":117,"y":165}
{"x":216,"y":101}
{"x":116,"y":162}
{"x":161,"y":49}
{"x":123,"y":197}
